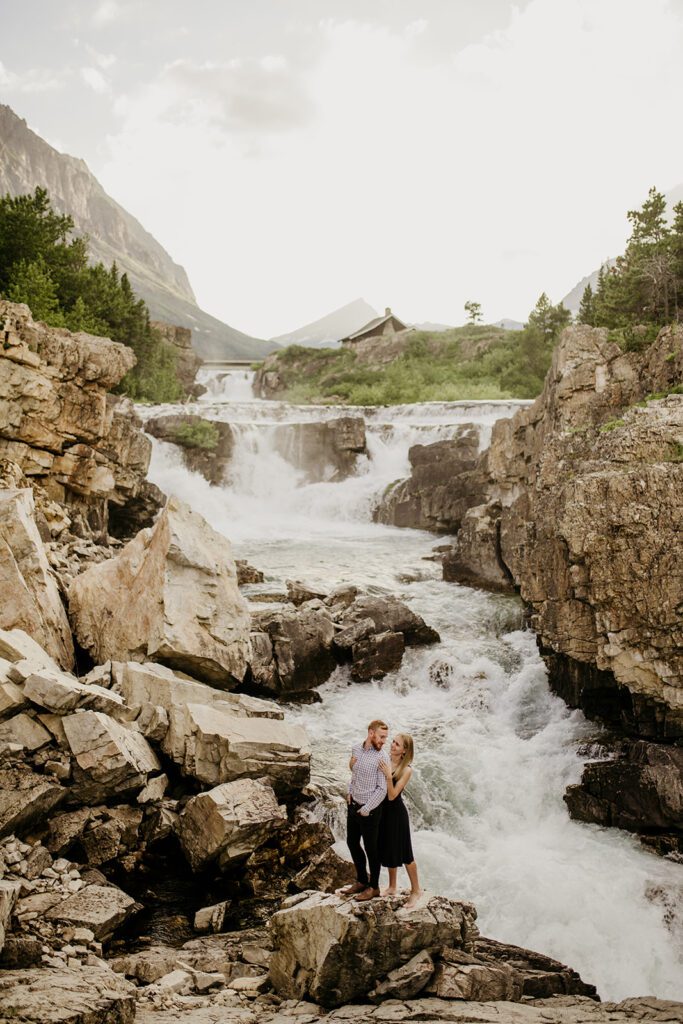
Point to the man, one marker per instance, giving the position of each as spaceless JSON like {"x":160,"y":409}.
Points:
{"x":367,"y":790}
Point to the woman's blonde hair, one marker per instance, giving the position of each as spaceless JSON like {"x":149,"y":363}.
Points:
{"x":407,"y":756}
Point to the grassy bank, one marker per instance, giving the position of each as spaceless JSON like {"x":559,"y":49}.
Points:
{"x":473,"y":362}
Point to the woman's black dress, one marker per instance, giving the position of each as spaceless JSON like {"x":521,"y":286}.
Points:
{"x":395,"y":847}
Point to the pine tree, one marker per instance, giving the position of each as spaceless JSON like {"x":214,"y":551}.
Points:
{"x":586,"y":313}
{"x":473,"y":310}
{"x":31,"y":283}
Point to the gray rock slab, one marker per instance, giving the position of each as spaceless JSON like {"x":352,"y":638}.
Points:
{"x":90,"y":995}
{"x":102,"y":908}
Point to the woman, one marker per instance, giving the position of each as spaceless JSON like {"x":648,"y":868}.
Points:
{"x":395,"y":846}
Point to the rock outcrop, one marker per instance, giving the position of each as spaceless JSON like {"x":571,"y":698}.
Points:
{"x":444,"y":483}
{"x":58,"y":423}
{"x":208,"y":454}
{"x":297,"y":648}
{"x":30,"y":597}
{"x":328,"y":450}
{"x":188,"y":360}
{"x":331,"y":951}
{"x":171,"y":595}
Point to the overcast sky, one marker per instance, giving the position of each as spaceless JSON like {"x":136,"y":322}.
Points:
{"x":294,"y":155}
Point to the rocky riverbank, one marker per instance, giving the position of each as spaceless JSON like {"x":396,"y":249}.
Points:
{"x":576,"y":505}
{"x":143,"y":748}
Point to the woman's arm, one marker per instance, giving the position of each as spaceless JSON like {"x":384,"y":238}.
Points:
{"x":393,"y":790}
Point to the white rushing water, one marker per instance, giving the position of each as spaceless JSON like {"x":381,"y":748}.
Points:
{"x":495,"y":749}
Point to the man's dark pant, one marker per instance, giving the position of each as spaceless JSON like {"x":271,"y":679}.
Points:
{"x":365,"y":828}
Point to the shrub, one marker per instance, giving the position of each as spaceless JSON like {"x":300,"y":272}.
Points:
{"x":202,"y":434}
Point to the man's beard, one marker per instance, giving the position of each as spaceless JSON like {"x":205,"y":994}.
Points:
{"x":377,"y":744}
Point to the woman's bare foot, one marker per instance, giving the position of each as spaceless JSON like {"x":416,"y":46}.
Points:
{"x":414,"y":898}
{"x":389,"y":891}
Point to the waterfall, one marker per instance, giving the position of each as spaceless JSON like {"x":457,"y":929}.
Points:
{"x":495,"y":749}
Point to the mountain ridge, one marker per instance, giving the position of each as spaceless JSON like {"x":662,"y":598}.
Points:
{"x":28,"y":161}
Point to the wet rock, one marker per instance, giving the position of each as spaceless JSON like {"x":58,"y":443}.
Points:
{"x":215,"y":747}
{"x":540,"y":975}
{"x":332,"y":951}
{"x":298,"y":593}
{"x":98,"y":907}
{"x":292,"y":649}
{"x":171,"y":596}
{"x":475,"y":559}
{"x":328,"y":450}
{"x":227,"y":823}
{"x":445,"y":482}
{"x":211,"y":458}
{"x":374,"y":657}
{"x":389,"y":615}
{"x":111,"y":758}
{"x":26,"y":798}
{"x":31,"y":600}
{"x":642,"y":790}
{"x":64,"y":995}
{"x":247,"y":573}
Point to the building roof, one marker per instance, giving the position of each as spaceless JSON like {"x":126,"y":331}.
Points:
{"x":377,"y":322}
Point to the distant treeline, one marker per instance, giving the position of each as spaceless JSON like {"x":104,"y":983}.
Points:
{"x":45,"y":266}
{"x":643,"y":291}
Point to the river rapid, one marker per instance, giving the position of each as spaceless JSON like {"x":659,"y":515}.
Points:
{"x":495,"y":749}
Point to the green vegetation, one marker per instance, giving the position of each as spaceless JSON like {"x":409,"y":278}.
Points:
{"x":203,"y":434}
{"x":465,"y":363}
{"x":473,"y":310}
{"x":611,"y":425}
{"x":643,"y":291}
{"x":45,"y":266}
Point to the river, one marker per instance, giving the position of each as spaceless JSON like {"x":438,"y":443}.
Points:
{"x":495,"y":749}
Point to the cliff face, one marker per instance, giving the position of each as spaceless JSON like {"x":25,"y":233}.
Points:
{"x":27,"y":161}
{"x":590,"y":486}
{"x":82,"y":447}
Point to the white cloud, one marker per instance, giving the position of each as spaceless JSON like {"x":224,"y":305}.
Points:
{"x":95,"y":80}
{"x":106,"y":12}
{"x":33,"y":80}
{"x":496,"y":173}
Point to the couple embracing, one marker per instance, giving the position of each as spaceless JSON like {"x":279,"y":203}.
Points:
{"x":378,"y":828}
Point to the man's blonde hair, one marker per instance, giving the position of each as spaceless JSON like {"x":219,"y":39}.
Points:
{"x":376,"y":724}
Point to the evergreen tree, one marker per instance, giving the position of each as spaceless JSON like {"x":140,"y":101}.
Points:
{"x":586,"y":313}
{"x":548,"y":319}
{"x":30,"y":282}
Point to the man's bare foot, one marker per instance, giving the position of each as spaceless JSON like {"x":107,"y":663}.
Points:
{"x":367,"y":894}
{"x":388,"y":891}
{"x":414,"y":899}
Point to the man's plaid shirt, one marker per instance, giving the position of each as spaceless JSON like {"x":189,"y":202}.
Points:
{"x":368,"y":785}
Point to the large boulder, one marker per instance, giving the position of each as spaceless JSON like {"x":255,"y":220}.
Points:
{"x":31,"y":600}
{"x":292,"y":649}
{"x":101,"y":908}
{"x":171,"y":596}
{"x":327,"y":450}
{"x":111,"y":758}
{"x":225,"y":824}
{"x":215,"y":746}
{"x":26,"y":798}
{"x":332,"y":951}
{"x":444,"y":482}
{"x":159,"y":686}
{"x":67,"y":995}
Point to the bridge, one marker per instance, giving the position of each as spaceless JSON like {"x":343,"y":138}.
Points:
{"x":228,"y":364}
